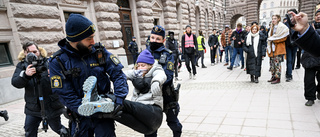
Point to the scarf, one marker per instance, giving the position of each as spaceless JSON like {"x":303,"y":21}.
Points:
{"x":282,"y":31}
{"x":239,"y":31}
{"x":255,"y":45}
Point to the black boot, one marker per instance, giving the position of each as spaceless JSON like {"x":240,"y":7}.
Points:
{"x":252,"y":78}
{"x":256,"y":79}
{"x":4,"y":114}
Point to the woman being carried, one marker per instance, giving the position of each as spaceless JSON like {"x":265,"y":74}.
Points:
{"x":144,"y":112}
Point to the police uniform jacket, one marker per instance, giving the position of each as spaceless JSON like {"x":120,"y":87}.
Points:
{"x":69,"y":87}
{"x":157,"y":74}
{"x":53,"y":107}
{"x":168,"y":69}
{"x":133,"y":47}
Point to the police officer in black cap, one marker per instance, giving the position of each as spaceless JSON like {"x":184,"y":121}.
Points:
{"x":133,"y":48}
{"x":172,"y":44}
{"x":170,"y":96}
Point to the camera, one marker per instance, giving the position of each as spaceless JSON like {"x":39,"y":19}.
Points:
{"x":40,"y":66}
{"x":290,"y":20}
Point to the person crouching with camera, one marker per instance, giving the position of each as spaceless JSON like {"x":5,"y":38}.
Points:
{"x":42,"y":105}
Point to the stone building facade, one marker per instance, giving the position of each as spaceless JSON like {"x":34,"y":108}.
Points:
{"x":43,"y":21}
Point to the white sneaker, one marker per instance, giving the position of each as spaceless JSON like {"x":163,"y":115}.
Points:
{"x":212,"y":64}
{"x":190,"y":76}
{"x":194,"y":77}
{"x":178,"y":79}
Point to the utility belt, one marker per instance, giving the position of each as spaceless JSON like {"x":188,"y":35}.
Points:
{"x":170,"y":105}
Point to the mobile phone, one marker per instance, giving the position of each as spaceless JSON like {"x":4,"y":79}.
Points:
{"x":290,"y":20}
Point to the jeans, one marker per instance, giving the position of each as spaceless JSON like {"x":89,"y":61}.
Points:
{"x":237,"y":61}
{"x":190,"y":58}
{"x":140,"y":117}
{"x":176,"y":61}
{"x":230,"y":49}
{"x":235,"y":52}
{"x":201,"y":54}
{"x":291,"y":54}
{"x":213,"y":54}
{"x":32,"y":124}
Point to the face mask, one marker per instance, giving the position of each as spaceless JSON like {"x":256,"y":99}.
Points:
{"x":155,"y":45}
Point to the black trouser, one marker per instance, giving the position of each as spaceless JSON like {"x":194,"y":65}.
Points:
{"x":213,"y":54}
{"x":188,"y":58}
{"x":176,"y":61}
{"x":310,"y":88}
{"x":142,"y":118}
{"x":32,"y":123}
{"x":201,"y":54}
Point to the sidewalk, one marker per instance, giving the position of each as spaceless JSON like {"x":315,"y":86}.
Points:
{"x":221,"y":103}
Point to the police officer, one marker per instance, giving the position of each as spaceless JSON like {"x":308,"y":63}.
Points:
{"x":41,"y":103}
{"x":133,"y":48}
{"x":79,"y":58}
{"x":172,"y":45}
{"x":170,"y":99}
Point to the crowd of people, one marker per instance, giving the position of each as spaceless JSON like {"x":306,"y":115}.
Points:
{"x":80,"y":74}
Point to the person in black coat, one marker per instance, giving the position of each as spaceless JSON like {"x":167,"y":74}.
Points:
{"x":255,"y":48}
{"x":26,"y":76}
{"x":133,"y":48}
{"x":213,"y":44}
{"x":305,"y":36}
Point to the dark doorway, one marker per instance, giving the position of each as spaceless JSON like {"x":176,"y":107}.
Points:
{"x":126,"y":26}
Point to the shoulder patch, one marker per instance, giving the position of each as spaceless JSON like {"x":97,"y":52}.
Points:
{"x":170,"y":66}
{"x":114,"y":59}
{"x":56,"y":81}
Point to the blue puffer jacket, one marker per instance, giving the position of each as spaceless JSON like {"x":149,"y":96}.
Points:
{"x":69,"y":87}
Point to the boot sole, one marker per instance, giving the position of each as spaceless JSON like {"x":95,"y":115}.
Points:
{"x":89,"y":86}
{"x":90,"y":108}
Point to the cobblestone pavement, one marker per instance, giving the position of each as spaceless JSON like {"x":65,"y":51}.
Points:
{"x":221,"y":103}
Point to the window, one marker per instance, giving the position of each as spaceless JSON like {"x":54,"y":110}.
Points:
{"x":67,"y":14}
{"x":264,"y":15}
{"x":280,"y":3}
{"x":271,"y":13}
{"x":123,"y":3}
{"x":272,"y":4}
{"x":5,"y":57}
{"x":264,"y":5}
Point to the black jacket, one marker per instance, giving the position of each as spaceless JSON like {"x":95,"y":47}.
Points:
{"x":53,"y":107}
{"x":239,"y":36}
{"x":133,"y":47}
{"x":253,"y":62}
{"x":189,"y":50}
{"x":172,"y":45}
{"x":308,"y":42}
{"x":213,"y":40}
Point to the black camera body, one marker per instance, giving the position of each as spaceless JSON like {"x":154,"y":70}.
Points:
{"x":39,"y":64}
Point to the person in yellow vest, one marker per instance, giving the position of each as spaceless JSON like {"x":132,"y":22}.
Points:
{"x":201,"y":48}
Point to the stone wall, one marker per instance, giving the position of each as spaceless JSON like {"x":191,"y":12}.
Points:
{"x":144,"y":12}
{"x":107,"y":15}
{"x":38,"y":21}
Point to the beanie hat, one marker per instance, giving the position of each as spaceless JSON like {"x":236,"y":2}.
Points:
{"x":171,"y":32}
{"x":78,"y":28}
{"x":145,"y":57}
{"x":317,"y":11}
{"x":158,"y":30}
{"x":188,"y":26}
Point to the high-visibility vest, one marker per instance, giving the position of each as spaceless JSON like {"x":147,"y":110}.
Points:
{"x":200,"y":48}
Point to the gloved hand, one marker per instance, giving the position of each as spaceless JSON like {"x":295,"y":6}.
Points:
{"x":155,"y":86}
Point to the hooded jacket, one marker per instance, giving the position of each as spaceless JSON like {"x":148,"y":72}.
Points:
{"x":150,"y":98}
{"x":53,"y":107}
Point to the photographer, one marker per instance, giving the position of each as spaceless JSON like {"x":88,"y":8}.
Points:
{"x":41,"y":104}
{"x":306,"y":36}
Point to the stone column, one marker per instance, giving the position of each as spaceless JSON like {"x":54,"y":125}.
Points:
{"x":144,"y":12}
{"x":107,"y":14}
{"x":170,"y":16}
